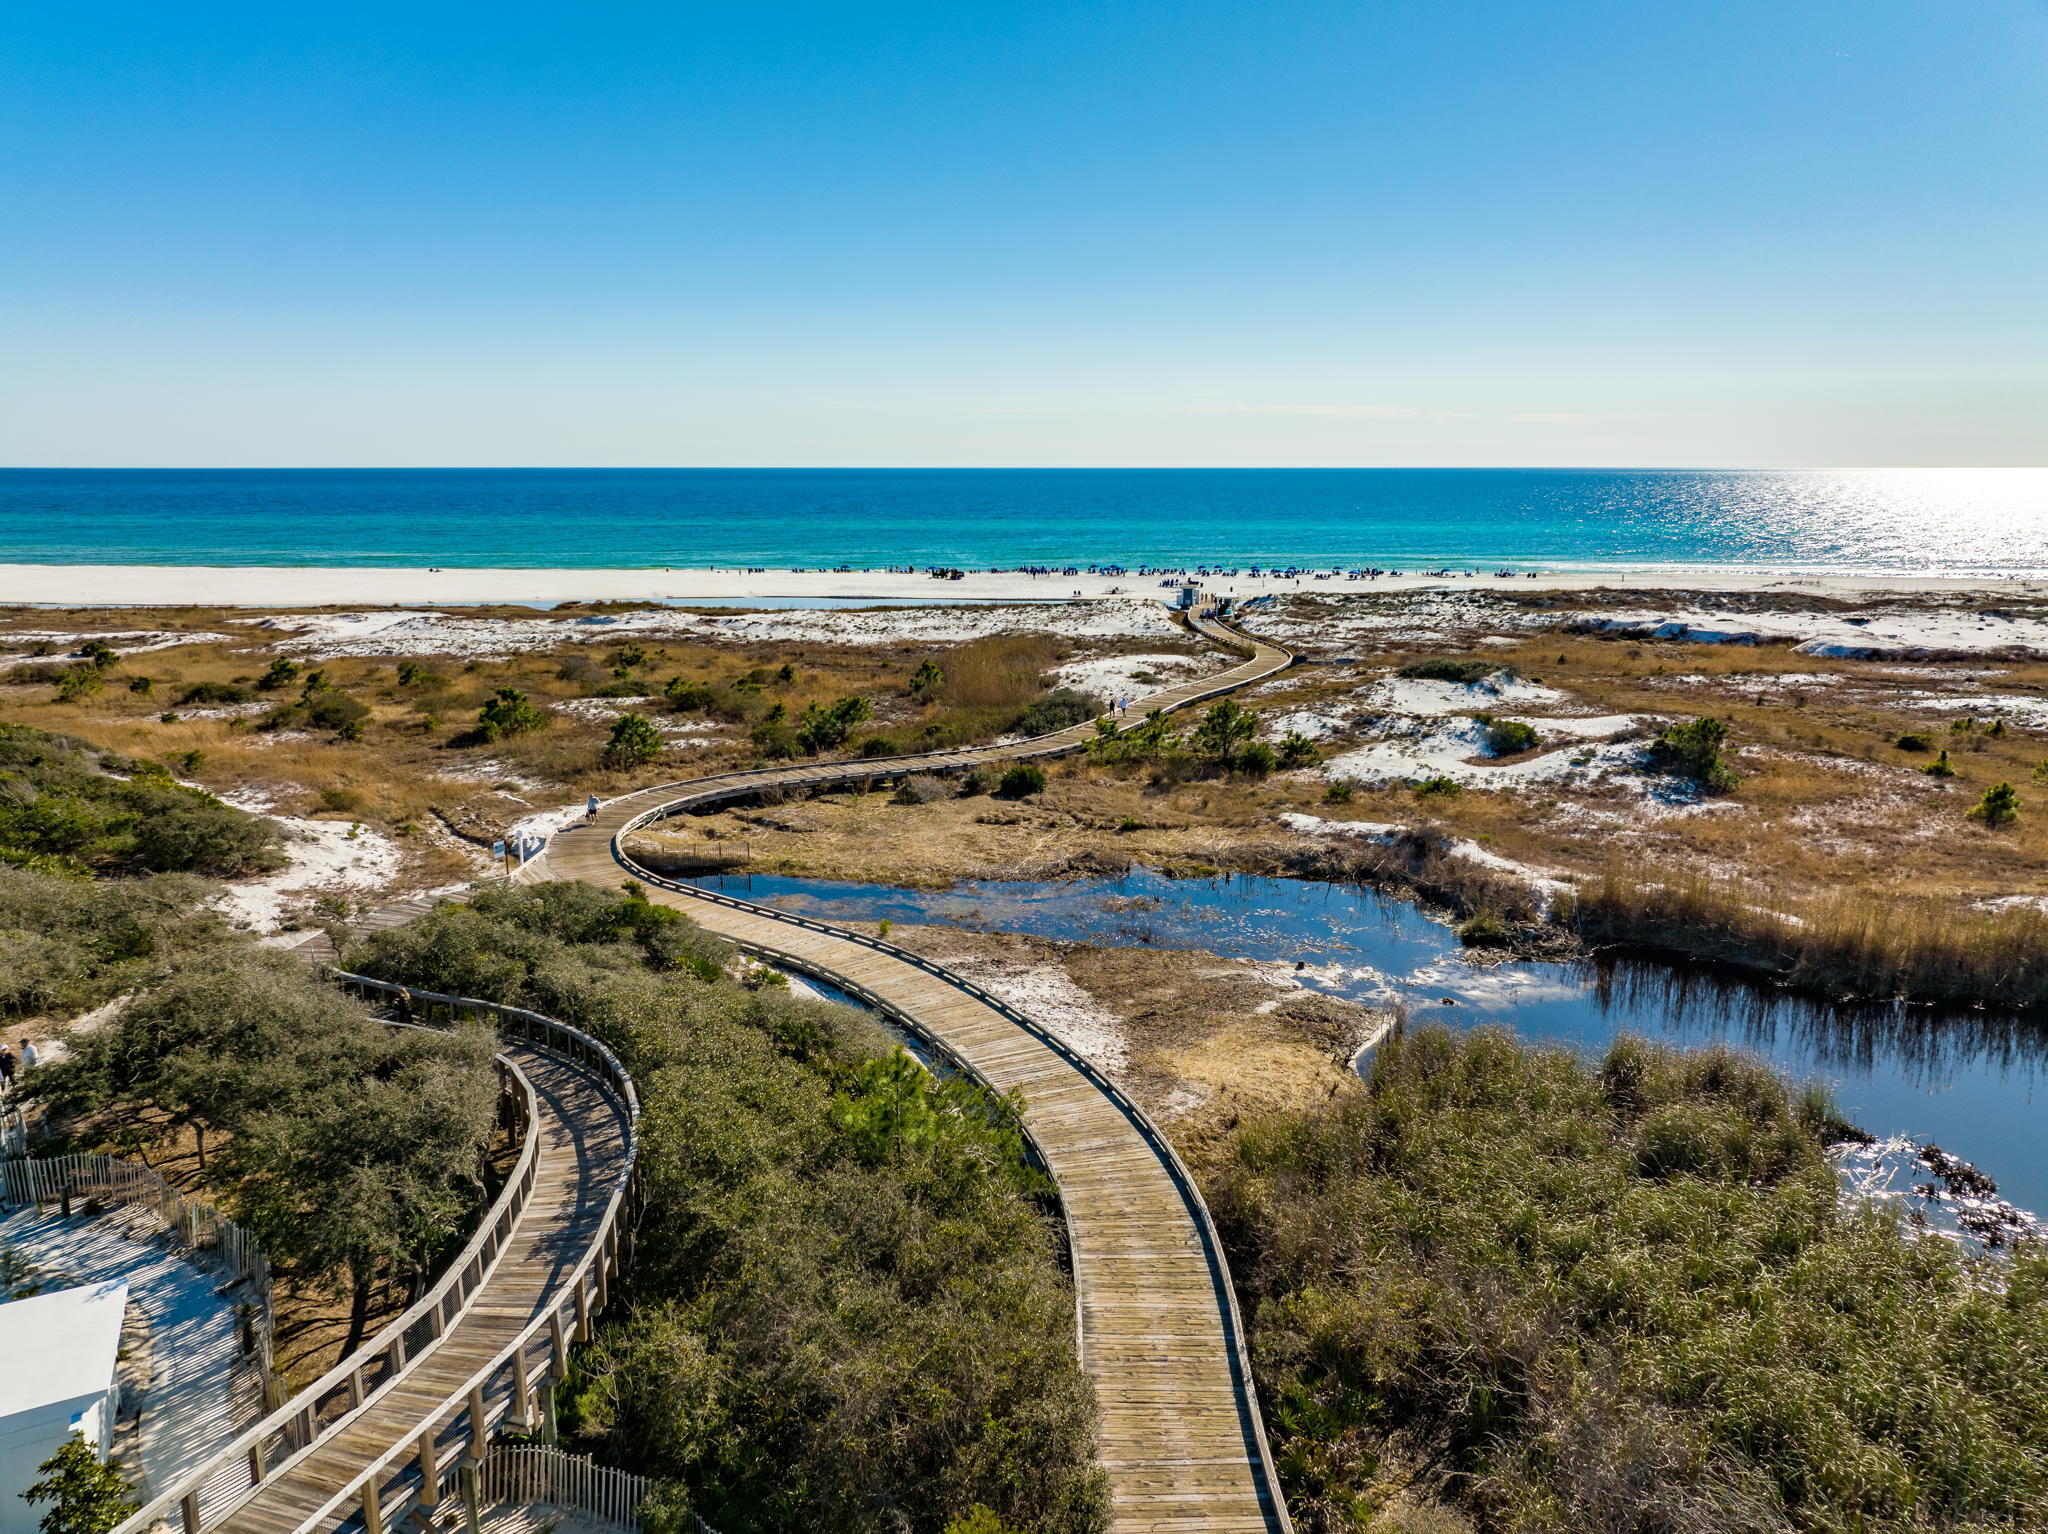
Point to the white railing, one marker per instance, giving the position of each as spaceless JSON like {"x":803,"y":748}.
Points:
{"x":528,"y":1474}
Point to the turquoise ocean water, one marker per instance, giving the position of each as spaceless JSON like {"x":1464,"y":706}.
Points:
{"x":1974,"y":521}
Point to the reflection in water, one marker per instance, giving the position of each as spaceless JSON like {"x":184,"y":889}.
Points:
{"x":1963,"y":1079}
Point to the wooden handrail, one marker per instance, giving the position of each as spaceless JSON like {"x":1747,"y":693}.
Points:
{"x":296,"y":1423}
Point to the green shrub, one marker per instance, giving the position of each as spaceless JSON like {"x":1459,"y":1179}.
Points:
{"x":979,"y":779}
{"x":344,"y":801}
{"x":685,"y":696}
{"x":85,"y":1495}
{"x":283,"y":673}
{"x":1463,"y":669}
{"x":141,"y":685}
{"x":510,"y":712}
{"x":1439,"y":788}
{"x":1059,"y":709}
{"x":634,"y":742}
{"x":1915,"y":740}
{"x":1256,"y":760}
{"x":826,"y":728}
{"x":927,"y":679}
{"x":774,"y":740}
{"x":879,"y":745}
{"x":1224,"y":728}
{"x":81,"y":682}
{"x":212,"y":692}
{"x":1618,"y":1297}
{"x":1298,"y":751}
{"x":1485,"y":929}
{"x":1022,"y":780}
{"x":1939,"y":767}
{"x":2000,"y":806}
{"x":1340,"y":792}
{"x":98,"y":654}
{"x":1509,"y":737}
{"x":1693,"y":750}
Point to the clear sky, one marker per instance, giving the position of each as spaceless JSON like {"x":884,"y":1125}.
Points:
{"x":1769,"y":232}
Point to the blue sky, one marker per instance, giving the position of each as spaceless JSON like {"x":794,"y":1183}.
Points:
{"x":1440,"y":232}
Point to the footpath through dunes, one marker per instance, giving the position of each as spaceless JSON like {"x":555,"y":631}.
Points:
{"x":1160,"y":1336}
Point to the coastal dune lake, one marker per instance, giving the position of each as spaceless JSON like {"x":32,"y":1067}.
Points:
{"x":1966,"y":1081}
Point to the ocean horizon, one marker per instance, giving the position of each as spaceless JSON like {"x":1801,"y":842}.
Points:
{"x":1908,"y":522}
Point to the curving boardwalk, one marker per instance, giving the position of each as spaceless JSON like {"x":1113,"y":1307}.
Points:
{"x":1160,"y":1335}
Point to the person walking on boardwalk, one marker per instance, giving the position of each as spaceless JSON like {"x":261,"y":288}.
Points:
{"x":590,"y":810}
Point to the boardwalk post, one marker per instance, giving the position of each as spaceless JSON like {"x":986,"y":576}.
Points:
{"x":546,"y":1392}
{"x":465,"y":1478}
{"x":257,"y":1464}
{"x":558,"y":1351}
{"x":188,"y":1511}
{"x":373,"y":1507}
{"x":430,"y":1468}
{"x":479,"y":1421}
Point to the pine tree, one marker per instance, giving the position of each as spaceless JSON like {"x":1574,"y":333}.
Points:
{"x":2000,"y":806}
{"x":634,"y":741}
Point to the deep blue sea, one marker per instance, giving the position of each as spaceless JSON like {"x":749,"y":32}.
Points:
{"x":1961,"y":521}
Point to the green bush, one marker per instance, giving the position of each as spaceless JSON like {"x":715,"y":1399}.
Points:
{"x":826,"y":728}
{"x":1463,"y":669}
{"x":775,"y":740}
{"x":1915,"y":740}
{"x":1022,"y":780}
{"x":2000,"y":806}
{"x":1509,"y":737}
{"x":81,"y":682}
{"x":879,"y":745}
{"x":65,"y":812}
{"x":1940,"y":767}
{"x":98,"y":654}
{"x":283,"y":673}
{"x":981,"y":779}
{"x":1256,"y":760}
{"x":634,"y":742}
{"x":920,"y":789}
{"x":510,"y":712}
{"x":85,"y":1495}
{"x":1059,"y":709}
{"x":1297,"y":751}
{"x":1439,"y":788}
{"x":143,"y":686}
{"x":1693,"y":750}
{"x":1616,"y":1298}
{"x":1340,"y":792}
{"x":213,"y":692}
{"x":687,"y":697}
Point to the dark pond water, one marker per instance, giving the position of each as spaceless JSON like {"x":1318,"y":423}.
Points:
{"x":1966,"y":1081}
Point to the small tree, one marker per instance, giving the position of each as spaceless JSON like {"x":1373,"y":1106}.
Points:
{"x":1256,"y":760}
{"x":926,"y":679}
{"x":824,"y":728}
{"x":88,"y":1497}
{"x":1939,"y":767}
{"x":1224,"y":727}
{"x":81,"y":682}
{"x":1021,"y":781}
{"x":282,"y":673}
{"x":2000,"y":806}
{"x":510,"y":712}
{"x":1297,"y":750}
{"x":141,"y":684}
{"x":634,"y":741}
{"x":98,"y":653}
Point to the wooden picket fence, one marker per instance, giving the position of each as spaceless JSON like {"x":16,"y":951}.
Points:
{"x":209,"y":1238}
{"x":524,"y":1474}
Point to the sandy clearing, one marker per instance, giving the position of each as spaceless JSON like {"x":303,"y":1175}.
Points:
{"x":1048,"y":995}
{"x":326,"y":857}
{"x":1110,"y":676}
{"x":1424,"y":696}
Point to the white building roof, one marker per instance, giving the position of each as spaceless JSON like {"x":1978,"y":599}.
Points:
{"x":60,"y":1346}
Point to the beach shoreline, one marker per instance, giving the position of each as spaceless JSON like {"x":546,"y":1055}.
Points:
{"x":298,"y":586}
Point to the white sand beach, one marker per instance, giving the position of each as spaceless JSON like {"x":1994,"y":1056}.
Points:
{"x":356,"y":586}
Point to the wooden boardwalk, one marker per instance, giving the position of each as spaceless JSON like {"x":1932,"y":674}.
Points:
{"x":1160,"y":1335}
{"x":582,"y":1132}
{"x":380,"y":1437}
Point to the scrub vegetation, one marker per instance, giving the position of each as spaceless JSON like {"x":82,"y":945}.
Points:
{"x":1510,"y":1290}
{"x":846,"y":1307}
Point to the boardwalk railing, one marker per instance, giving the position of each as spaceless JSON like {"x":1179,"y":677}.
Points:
{"x":527,"y":1474}
{"x":13,"y":1132}
{"x":287,"y":1434}
{"x":1184,"y":1182}
{"x":518,"y":1383}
